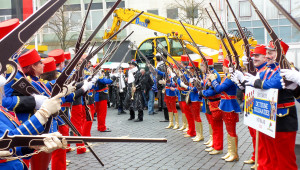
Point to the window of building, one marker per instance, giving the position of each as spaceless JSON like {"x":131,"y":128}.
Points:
{"x":285,"y":33}
{"x":192,"y":12}
{"x":244,"y":9}
{"x":259,"y":34}
{"x":286,"y":4}
{"x":172,"y":13}
{"x":153,"y":11}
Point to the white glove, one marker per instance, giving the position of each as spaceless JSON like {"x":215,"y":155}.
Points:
{"x":39,"y":100}
{"x":49,"y":107}
{"x":70,"y":88}
{"x":291,"y":75}
{"x":95,"y":78}
{"x":251,"y":79}
{"x":245,"y":60}
{"x":162,"y":82}
{"x":240,"y":76}
{"x":292,"y":86}
{"x":87,"y":85}
{"x":230,"y":70}
{"x":5,"y":153}
{"x":233,"y":78}
{"x":2,"y":81}
{"x":183,"y":85}
{"x":52,"y":142}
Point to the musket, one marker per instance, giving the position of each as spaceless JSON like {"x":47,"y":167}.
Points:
{"x":198,"y":49}
{"x":197,"y":81}
{"x":77,"y":46}
{"x":22,"y":33}
{"x":151,"y":68}
{"x":84,"y":61}
{"x":235,"y":54}
{"x":61,"y":80}
{"x":250,"y":66}
{"x":222,"y":41}
{"x":176,"y":63}
{"x":108,"y":56}
{"x":123,"y":59}
{"x":286,"y":14}
{"x":8,"y":142}
{"x":280,"y":58}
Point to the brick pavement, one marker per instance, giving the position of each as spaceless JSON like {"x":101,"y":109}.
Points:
{"x":178,"y":153}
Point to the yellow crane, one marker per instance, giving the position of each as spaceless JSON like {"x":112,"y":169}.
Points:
{"x":203,"y":37}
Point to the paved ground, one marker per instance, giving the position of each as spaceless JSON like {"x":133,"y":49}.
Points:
{"x":178,"y":153}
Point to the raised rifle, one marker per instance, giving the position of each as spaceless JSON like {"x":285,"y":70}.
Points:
{"x":222,"y":40}
{"x":77,"y":46}
{"x":286,"y":14}
{"x":280,"y":58}
{"x":235,"y":54}
{"x":21,"y":34}
{"x":250,"y":66}
{"x":179,"y":66}
{"x":198,"y":49}
{"x":197,"y":81}
{"x":8,"y":142}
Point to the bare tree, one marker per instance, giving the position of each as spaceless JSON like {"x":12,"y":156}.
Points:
{"x":63,"y":26}
{"x":191,"y":11}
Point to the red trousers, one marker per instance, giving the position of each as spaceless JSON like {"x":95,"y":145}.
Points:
{"x":59,"y":156}
{"x":190,"y":119}
{"x":216,"y":125}
{"x":280,"y":152}
{"x":253,"y":135}
{"x":78,"y":119}
{"x":230,"y":119}
{"x":171,"y":103}
{"x":208,"y":117}
{"x":181,"y":106}
{"x":195,"y":110}
{"x":40,"y":161}
{"x":101,"y":109}
{"x":88,"y":124}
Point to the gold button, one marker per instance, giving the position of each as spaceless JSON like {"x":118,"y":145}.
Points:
{"x":280,"y":114}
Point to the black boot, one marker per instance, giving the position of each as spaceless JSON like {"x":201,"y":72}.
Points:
{"x":131,"y":115}
{"x":166,"y":115}
{"x":140,"y":116}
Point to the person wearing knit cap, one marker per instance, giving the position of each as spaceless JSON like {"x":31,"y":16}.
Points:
{"x":282,"y":147}
{"x":230,"y":108}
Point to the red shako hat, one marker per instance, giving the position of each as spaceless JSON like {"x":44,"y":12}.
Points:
{"x":67,"y":55}
{"x":7,"y":26}
{"x":58,"y":55}
{"x":284,"y":46}
{"x":260,"y":49}
{"x":28,"y":58}
{"x":49,"y":64}
{"x":184,"y":58}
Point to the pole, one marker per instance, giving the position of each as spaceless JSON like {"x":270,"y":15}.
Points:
{"x":36,"y":38}
{"x":256,"y":149}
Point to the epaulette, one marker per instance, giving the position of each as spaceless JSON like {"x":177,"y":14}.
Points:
{"x":9,"y":69}
{"x":58,"y":74}
{"x":86,"y":72}
{"x":29,"y":79}
{"x":228,"y":76}
{"x":44,"y":81}
{"x":216,"y":76}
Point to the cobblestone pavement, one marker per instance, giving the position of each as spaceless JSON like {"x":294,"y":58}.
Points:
{"x":177,"y":153}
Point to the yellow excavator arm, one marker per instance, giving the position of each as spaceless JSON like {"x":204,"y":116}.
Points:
{"x":202,"y":36}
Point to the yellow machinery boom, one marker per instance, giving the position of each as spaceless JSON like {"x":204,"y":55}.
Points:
{"x":202,"y":36}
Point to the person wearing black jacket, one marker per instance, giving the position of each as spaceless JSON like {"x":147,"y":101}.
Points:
{"x":147,"y":84}
{"x":134,"y":99}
